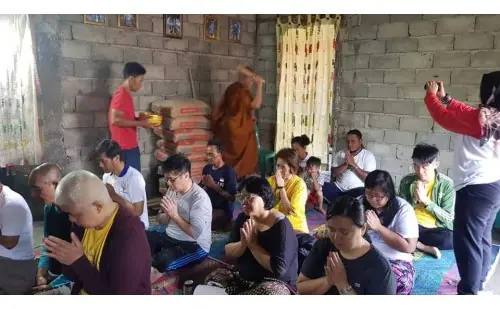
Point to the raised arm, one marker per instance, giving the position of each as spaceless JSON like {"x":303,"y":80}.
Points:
{"x":257,"y":100}
{"x":458,"y":118}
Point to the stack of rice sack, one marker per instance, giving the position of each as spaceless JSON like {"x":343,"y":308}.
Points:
{"x":185,"y":129}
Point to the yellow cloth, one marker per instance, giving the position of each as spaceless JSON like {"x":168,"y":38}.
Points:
{"x":93,"y":243}
{"x":425,"y":218}
{"x":296,"y":191}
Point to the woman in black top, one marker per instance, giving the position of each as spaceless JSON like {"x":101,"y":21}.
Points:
{"x":264,"y":244}
{"x":346,"y":263}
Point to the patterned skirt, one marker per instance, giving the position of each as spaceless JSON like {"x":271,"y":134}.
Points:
{"x":405,"y":276}
{"x":234,"y":284}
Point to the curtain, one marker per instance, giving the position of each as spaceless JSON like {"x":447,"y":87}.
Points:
{"x":19,"y":130}
{"x":306,"y":55}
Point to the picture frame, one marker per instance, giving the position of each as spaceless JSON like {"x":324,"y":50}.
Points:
{"x":172,"y":26}
{"x":128,"y":21}
{"x":211,"y":28}
{"x":95,"y":19}
{"x":235,"y":30}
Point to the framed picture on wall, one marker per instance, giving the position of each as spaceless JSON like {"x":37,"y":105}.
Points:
{"x":172,"y":25}
{"x":211,"y":28}
{"x":94,"y":19}
{"x":127,"y":21}
{"x":234,"y":30}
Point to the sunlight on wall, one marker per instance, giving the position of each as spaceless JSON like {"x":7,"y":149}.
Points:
{"x":19,"y":131}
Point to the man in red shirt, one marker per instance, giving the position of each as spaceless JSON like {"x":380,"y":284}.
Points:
{"x":122,"y":120}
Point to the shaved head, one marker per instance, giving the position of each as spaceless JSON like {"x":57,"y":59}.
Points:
{"x":85,"y":198}
{"x":43,"y":181}
{"x":51,"y":172}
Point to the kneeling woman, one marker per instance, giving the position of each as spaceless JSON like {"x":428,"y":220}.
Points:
{"x":264,"y":244}
{"x":393,"y":227}
{"x":345,"y":262}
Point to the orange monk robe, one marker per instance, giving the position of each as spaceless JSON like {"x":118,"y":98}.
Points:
{"x":233,"y":126}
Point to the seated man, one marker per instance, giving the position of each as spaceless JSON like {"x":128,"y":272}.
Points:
{"x":433,"y":197}
{"x":314,"y":182}
{"x":186,"y":211}
{"x":219,"y":180}
{"x":43,"y":181}
{"x":17,"y":264}
{"x":108,"y":253}
{"x":350,"y":168}
{"x":125,"y":184}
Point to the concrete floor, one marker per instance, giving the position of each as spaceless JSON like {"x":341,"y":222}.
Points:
{"x":492,"y":286}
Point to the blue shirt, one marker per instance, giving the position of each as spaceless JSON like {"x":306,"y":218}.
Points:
{"x":44,"y":260}
{"x":225,"y":177}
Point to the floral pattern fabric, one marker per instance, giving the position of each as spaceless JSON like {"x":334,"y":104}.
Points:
{"x":306,"y":56}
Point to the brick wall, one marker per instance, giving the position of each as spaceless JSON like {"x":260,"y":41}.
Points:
{"x":266,"y":67}
{"x":386,"y":60}
{"x":80,"y":66}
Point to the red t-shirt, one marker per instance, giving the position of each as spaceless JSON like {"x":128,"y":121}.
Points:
{"x":125,"y":137}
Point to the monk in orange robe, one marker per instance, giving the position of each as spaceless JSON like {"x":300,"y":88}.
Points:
{"x":233,"y":124}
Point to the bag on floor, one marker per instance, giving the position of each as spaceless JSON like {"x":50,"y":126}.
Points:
{"x":181,"y":107}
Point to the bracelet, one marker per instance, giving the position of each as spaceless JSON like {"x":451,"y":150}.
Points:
{"x":446,"y":99}
{"x":279,"y":188}
{"x":346,"y":290}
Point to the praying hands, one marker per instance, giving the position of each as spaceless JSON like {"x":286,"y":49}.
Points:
{"x":64,"y":252}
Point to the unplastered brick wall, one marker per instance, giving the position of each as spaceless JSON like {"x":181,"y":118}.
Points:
{"x":80,"y":66}
{"x":386,"y":60}
{"x":266,"y":67}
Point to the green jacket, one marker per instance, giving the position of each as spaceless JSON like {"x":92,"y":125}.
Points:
{"x":443,"y":198}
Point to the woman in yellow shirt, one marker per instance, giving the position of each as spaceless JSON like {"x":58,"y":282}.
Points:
{"x":290,"y":190}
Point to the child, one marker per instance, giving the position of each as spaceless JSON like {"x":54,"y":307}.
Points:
{"x":314,"y":182}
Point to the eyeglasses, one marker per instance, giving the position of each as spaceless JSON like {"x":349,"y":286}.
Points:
{"x":374,"y":196}
{"x":172,"y":179}
{"x":244,"y":197}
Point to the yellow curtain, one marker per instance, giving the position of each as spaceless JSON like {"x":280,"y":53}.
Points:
{"x":19,"y":131}
{"x":306,"y":55}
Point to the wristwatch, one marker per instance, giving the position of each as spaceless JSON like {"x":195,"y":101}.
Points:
{"x":446,"y":99}
{"x":346,"y":290}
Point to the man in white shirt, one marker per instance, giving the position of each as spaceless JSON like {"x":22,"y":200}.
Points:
{"x":125,"y":184}
{"x":17,"y":264}
{"x":350,"y":167}
{"x":186,"y":211}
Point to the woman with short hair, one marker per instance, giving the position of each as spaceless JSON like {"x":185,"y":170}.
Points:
{"x":264,"y":245}
{"x":290,"y":191}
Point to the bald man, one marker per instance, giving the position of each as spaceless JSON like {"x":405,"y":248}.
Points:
{"x":43,"y":181}
{"x":108,"y":253}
